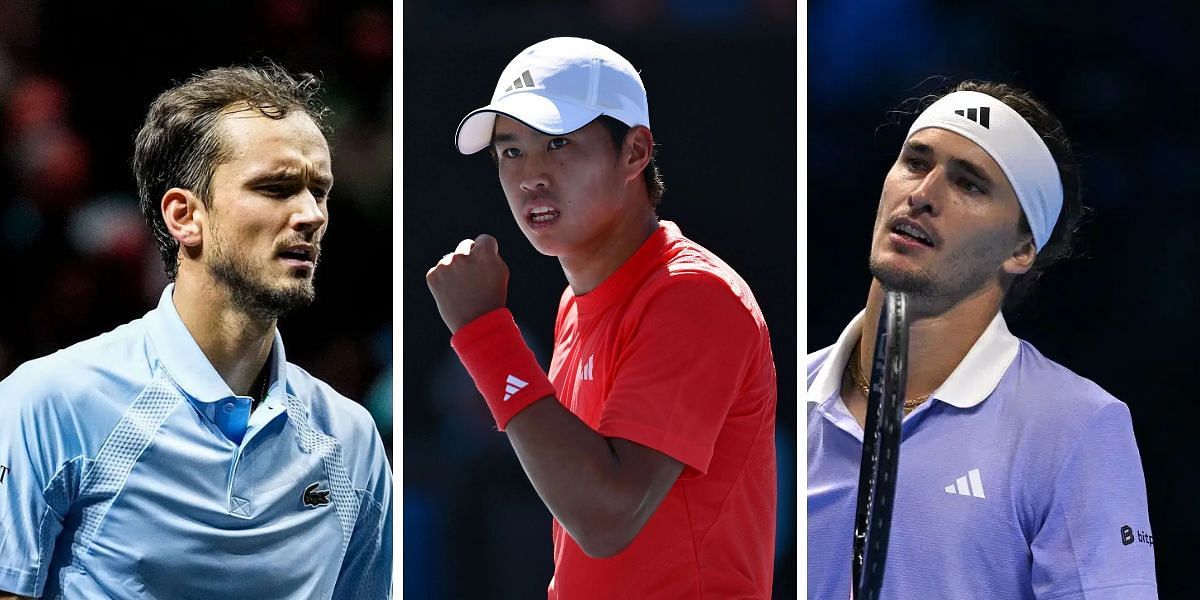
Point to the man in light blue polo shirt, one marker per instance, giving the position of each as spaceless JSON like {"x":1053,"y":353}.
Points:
{"x":1017,"y":478}
{"x":181,"y":455}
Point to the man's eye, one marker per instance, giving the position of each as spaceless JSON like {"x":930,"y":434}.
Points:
{"x":914,"y":164}
{"x":557,"y":143}
{"x":510,"y":152}
{"x":971,"y":187}
{"x":275,"y":190}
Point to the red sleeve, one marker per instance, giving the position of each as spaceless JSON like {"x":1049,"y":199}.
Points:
{"x":681,"y":368}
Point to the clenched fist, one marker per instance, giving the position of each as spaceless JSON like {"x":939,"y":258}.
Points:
{"x":469,"y":282}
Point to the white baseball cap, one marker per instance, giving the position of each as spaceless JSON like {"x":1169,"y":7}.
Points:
{"x":557,"y":86}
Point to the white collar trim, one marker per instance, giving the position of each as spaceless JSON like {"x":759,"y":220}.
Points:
{"x":972,"y":381}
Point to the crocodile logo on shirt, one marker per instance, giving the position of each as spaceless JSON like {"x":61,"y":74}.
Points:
{"x":313,"y":497}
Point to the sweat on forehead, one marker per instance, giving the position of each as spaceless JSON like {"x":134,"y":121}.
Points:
{"x":1012,"y":142}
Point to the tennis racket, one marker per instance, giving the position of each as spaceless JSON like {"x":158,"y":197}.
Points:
{"x":881,"y":449}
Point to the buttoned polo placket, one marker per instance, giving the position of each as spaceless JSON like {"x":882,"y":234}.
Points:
{"x":229,"y":415}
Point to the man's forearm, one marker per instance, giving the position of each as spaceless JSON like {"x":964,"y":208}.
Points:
{"x":601,"y":490}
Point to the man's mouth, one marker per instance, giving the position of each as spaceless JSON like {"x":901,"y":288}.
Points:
{"x":541,"y":215}
{"x":912,"y":232}
{"x":300,"y":253}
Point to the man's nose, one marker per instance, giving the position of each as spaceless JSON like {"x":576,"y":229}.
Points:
{"x":534,"y":173}
{"x":312,"y":213}
{"x":929,"y":193}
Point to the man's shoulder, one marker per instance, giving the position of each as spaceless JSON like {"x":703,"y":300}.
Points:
{"x":688,"y":259}
{"x":692,"y":272}
{"x":80,"y":392}
{"x":330,"y":412}
{"x":1044,"y":400}
{"x":1058,"y":388}
{"x":117,"y":359}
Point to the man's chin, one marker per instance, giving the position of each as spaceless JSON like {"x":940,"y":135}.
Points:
{"x":298,"y":294}
{"x":272,"y":301}
{"x":543,"y":246}
{"x":902,"y":280}
{"x":283,"y":300}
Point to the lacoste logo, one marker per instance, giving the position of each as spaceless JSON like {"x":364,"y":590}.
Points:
{"x":524,"y":81}
{"x":1142,"y":536}
{"x":313,"y":497}
{"x":585,"y":370}
{"x":513,"y":385}
{"x":967,"y":485}
{"x":3,"y":473}
{"x":979,"y":115}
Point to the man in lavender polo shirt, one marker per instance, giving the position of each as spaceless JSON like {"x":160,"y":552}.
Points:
{"x":1017,"y":477}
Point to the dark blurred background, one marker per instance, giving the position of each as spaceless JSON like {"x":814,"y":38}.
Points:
{"x":76,"y":80}
{"x":721,"y":77}
{"x":1122,"y":80}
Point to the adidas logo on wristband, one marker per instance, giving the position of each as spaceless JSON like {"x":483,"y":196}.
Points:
{"x":515,"y":385}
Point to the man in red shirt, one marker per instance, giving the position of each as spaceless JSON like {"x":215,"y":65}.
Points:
{"x":651,"y":440}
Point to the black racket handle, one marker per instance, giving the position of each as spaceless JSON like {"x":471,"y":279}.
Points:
{"x":881,"y":449}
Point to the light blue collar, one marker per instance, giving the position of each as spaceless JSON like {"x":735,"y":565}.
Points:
{"x":183,"y":359}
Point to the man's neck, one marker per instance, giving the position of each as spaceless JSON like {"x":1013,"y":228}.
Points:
{"x":588,"y":268}
{"x":236,"y":343}
{"x":936,"y":342}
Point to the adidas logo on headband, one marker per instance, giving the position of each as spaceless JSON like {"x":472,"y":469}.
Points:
{"x":982,"y":118}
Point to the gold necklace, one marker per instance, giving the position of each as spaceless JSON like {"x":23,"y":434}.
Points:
{"x":857,"y":375}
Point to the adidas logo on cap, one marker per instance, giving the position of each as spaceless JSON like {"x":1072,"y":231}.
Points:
{"x":524,"y":81}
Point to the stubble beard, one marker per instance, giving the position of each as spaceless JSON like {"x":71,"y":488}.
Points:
{"x":252,"y":294}
{"x":916,"y":283}
{"x":929,"y":294}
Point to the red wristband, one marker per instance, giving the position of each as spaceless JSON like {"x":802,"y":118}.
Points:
{"x":503,"y":367}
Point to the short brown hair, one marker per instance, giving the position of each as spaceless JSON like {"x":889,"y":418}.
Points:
{"x":179,"y":144}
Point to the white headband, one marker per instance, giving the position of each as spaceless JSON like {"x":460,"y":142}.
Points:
{"x":1013,"y":144}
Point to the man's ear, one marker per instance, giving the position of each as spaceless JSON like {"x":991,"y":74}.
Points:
{"x":1022,"y":257}
{"x":639,"y":146}
{"x":185,"y":216}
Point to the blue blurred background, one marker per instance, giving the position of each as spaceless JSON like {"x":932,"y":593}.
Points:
{"x":721,"y":78}
{"x":1121,"y":77}
{"x":76,"y":80}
